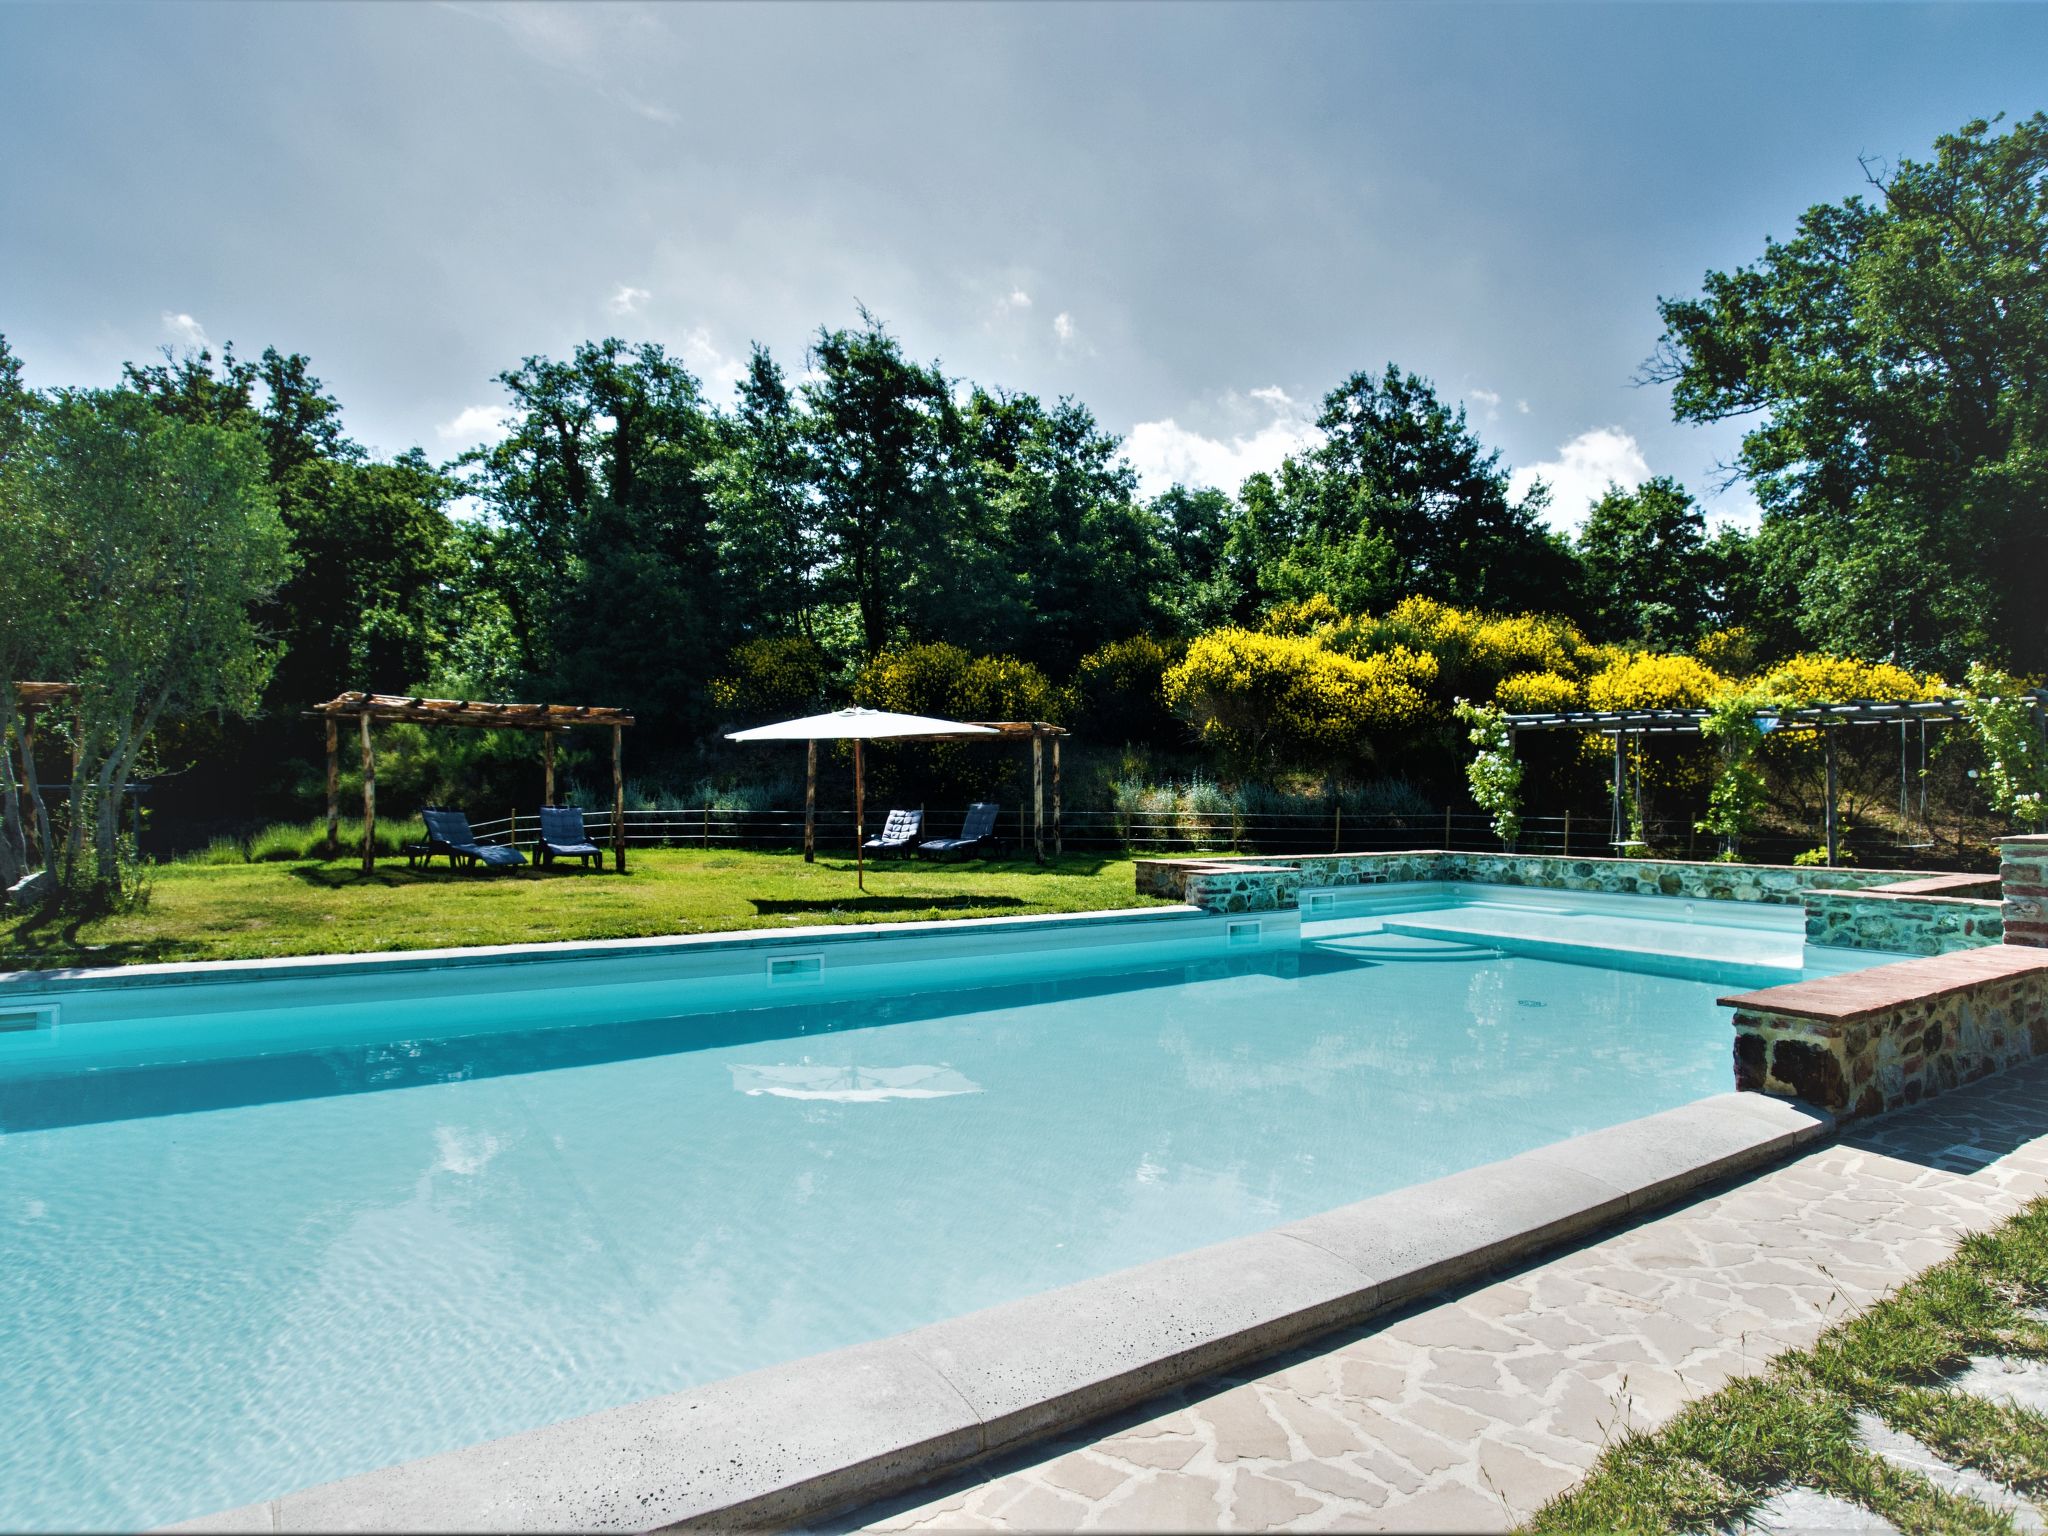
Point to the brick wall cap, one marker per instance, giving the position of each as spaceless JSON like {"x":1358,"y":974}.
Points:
{"x":1860,"y":994}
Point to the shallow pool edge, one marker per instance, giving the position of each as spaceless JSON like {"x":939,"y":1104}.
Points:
{"x":813,"y":1437}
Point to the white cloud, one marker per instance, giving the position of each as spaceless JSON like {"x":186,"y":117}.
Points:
{"x":628,"y":299}
{"x":718,"y":370}
{"x":1163,"y":452}
{"x":1522,"y":407}
{"x":1490,"y":398}
{"x":1582,"y":471}
{"x":476,"y":424}
{"x":183,"y":330}
{"x":1017,"y":299}
{"x":1063,"y":326}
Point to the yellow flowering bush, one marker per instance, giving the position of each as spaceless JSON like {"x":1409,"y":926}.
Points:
{"x":1262,"y":700}
{"x":1526,"y":693}
{"x":1815,"y":679}
{"x":1654,"y":682}
{"x":773,"y":677}
{"x":1527,"y":642}
{"x":1731,"y":652}
{"x":1301,"y":616}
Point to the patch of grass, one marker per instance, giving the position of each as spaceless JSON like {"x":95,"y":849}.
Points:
{"x":1721,"y":1457}
{"x":239,"y":910}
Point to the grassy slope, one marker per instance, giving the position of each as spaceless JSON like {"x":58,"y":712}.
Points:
{"x":1723,"y":1456}
{"x":248,"y":911}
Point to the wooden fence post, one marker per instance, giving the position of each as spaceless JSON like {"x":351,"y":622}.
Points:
{"x":547,"y":758}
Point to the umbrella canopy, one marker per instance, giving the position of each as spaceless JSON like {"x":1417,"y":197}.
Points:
{"x":859,"y":725}
{"x":856,"y":725}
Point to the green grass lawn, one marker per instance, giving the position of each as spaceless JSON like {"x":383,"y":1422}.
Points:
{"x":1721,"y":1457}
{"x":253,"y":911}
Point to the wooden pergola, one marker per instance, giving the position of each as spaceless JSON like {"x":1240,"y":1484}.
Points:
{"x":549,"y":719}
{"x":1825,"y":719}
{"x":1037,"y":732}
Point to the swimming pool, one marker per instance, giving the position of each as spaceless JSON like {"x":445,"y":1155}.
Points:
{"x":249,"y":1248}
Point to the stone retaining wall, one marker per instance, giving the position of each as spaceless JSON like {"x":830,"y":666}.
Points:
{"x":1903,"y":924}
{"x":1879,"y":1039}
{"x":1245,"y":884}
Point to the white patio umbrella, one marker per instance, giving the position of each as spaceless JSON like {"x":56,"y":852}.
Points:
{"x":857,"y":726}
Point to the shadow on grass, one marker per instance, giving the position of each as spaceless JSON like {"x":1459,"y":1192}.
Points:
{"x":58,"y":943}
{"x":339,"y":877}
{"x":873,"y":903}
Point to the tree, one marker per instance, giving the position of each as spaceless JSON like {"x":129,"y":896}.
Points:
{"x":1894,"y":353}
{"x":1200,"y":588}
{"x":1640,"y":555}
{"x":605,"y":563}
{"x":1397,"y":464}
{"x":887,"y":446}
{"x":1080,"y":562}
{"x":362,"y":606}
{"x":28,"y":632}
{"x":162,"y":536}
{"x":767,"y":517}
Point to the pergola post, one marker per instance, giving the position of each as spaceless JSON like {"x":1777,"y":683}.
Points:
{"x":810,"y":802}
{"x":333,"y":785}
{"x":1037,"y":796}
{"x":1833,"y":827}
{"x":1620,"y":825}
{"x":369,"y":796}
{"x":1058,"y":842}
{"x":547,"y":763}
{"x":618,"y":800}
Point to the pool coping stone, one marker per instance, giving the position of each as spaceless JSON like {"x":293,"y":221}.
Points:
{"x":303,"y":967}
{"x":811,"y":1437}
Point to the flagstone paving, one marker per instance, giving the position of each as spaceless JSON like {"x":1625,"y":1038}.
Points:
{"x":1470,"y":1413}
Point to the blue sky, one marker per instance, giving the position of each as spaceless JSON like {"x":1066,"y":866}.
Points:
{"x":1195,"y":218}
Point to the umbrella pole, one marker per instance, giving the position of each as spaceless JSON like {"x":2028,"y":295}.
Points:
{"x":860,"y":873}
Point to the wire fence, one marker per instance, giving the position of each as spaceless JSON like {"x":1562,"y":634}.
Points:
{"x":1171,"y":832}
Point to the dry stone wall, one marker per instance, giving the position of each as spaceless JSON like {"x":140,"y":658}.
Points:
{"x":1879,"y":1039}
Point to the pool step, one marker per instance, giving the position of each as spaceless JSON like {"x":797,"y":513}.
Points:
{"x":1401,"y":948}
{"x":1708,"y":954}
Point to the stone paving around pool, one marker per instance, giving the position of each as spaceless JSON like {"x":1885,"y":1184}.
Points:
{"x":1469,"y":1414}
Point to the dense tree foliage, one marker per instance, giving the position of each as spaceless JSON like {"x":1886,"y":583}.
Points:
{"x":1894,"y":354}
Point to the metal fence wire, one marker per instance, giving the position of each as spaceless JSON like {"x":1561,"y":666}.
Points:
{"x":1169,"y":832}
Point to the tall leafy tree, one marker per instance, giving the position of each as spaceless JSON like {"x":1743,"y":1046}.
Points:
{"x":605,"y":566}
{"x":1397,"y":462}
{"x":1641,"y":555}
{"x":767,"y":515}
{"x":893,"y":473}
{"x":1201,"y":587}
{"x":1081,"y":560}
{"x":1894,"y":357}
{"x":162,"y":536}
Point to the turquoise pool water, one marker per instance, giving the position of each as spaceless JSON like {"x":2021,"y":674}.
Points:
{"x":228,"y":1279}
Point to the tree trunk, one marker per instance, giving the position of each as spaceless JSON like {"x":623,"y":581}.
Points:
{"x":13,"y":845}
